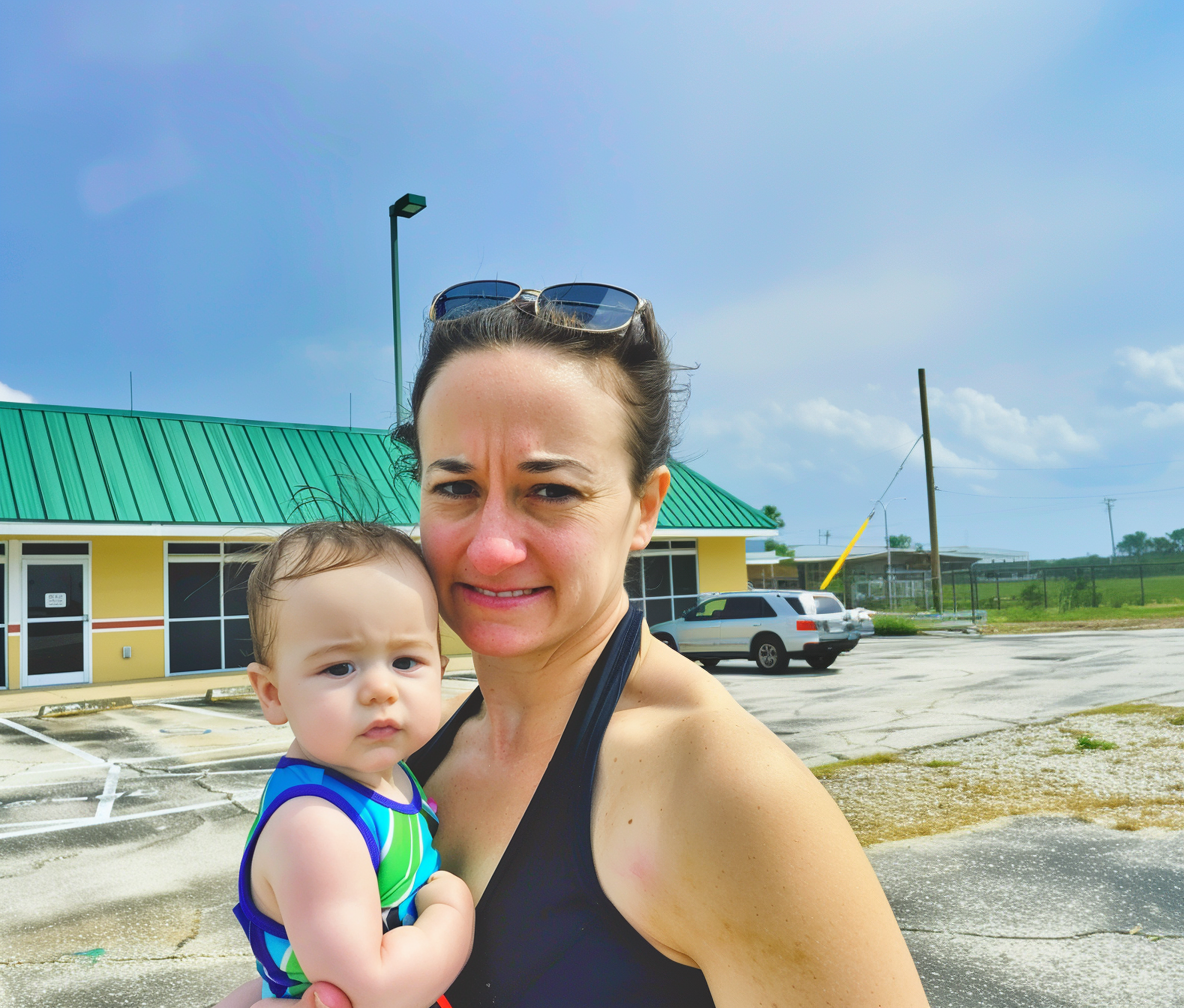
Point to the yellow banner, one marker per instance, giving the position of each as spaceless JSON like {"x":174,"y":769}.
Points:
{"x":839,"y":563}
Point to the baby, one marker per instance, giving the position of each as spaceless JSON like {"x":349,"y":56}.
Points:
{"x":339,"y":880}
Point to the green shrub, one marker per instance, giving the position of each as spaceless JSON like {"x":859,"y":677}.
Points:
{"x":888,"y":625}
{"x":1086,"y":742}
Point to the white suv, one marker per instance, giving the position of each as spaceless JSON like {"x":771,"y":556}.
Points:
{"x":768,"y":627}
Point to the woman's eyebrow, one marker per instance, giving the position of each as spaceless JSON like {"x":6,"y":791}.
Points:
{"x":552,"y":462}
{"x":456,"y":466}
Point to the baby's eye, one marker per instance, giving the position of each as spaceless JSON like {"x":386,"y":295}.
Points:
{"x":339,"y":670}
{"x":405,"y":663}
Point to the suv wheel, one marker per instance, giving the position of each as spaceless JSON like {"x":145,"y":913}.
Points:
{"x":709,"y":662}
{"x":769,"y":654}
{"x":666,"y":639}
{"x":821,"y":661}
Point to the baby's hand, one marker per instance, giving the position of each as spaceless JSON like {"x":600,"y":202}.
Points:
{"x":444,"y":887}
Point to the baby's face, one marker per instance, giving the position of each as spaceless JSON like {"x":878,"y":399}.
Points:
{"x":355,"y":665}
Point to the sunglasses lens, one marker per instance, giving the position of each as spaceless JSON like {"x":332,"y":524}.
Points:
{"x":470,"y":297}
{"x":592,"y":306}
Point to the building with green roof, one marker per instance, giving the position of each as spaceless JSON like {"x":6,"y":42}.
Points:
{"x":121,"y":534}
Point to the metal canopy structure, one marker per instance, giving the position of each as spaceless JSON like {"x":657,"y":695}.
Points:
{"x":65,"y":464}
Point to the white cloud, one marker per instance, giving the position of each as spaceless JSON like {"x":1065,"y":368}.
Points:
{"x":1163,"y":367}
{"x":1007,"y":433}
{"x":114,"y":183}
{"x":8,"y":394}
{"x":1157,"y":416}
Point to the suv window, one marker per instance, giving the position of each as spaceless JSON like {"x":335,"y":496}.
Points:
{"x":827,"y":604}
{"x":707,"y":610}
{"x":747,"y":607}
{"x":795,"y":603}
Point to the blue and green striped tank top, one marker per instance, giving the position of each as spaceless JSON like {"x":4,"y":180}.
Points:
{"x":398,"y":836}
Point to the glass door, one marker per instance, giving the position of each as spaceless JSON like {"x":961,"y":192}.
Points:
{"x":56,"y":649}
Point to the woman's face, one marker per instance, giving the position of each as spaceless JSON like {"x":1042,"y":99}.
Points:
{"x":527,"y":512}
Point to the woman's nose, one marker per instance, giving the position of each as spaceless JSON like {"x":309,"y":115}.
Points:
{"x":494,"y":547}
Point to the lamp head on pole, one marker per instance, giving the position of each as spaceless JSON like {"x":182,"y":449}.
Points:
{"x":407,"y":205}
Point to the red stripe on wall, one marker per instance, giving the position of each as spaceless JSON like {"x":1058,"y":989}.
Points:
{"x":14,"y":628}
{"x":118,"y":624}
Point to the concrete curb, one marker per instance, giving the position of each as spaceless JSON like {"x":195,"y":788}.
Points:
{"x":230,"y":693}
{"x":84,"y":707}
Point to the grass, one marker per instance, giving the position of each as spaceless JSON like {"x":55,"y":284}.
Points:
{"x":1089,"y":742}
{"x":943,"y":762}
{"x":1135,"y":708}
{"x":828,"y":768}
{"x":888,"y":625}
{"x":1017,"y":614}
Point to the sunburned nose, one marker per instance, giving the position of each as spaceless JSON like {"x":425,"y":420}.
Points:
{"x":493,"y":554}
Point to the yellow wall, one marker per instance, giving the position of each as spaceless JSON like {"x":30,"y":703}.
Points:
{"x":126,"y":577}
{"x":146,"y":662}
{"x":721,"y":564}
{"x":450,"y":644}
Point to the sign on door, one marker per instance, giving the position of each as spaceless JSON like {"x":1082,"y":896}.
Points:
{"x":55,"y":600}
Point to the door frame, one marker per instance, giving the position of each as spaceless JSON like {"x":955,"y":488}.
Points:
{"x":41,"y":560}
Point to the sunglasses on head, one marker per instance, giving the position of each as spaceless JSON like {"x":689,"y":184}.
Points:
{"x":598,"y":307}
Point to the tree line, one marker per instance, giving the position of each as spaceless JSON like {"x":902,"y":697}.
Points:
{"x":1140,"y":544}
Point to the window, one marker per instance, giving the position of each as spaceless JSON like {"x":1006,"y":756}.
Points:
{"x":3,"y":620}
{"x":208,"y":629}
{"x":747,"y":607}
{"x":827,"y":604}
{"x":664,"y":578}
{"x":711,"y":609}
{"x":795,"y":603}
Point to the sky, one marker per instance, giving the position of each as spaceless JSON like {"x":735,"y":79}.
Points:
{"x":819,"y":198}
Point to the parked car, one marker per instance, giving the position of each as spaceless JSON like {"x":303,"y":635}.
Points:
{"x":767,"y":627}
{"x":864,"y":617}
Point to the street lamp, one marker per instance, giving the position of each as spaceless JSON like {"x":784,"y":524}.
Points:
{"x":407,"y":205}
{"x":888,"y":546}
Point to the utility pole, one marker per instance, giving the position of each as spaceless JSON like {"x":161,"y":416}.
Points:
{"x":1110,"y":502}
{"x":407,"y":205}
{"x":931,"y":488}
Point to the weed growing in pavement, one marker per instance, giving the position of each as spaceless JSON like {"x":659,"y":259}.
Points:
{"x":1177,"y":720}
{"x":943,"y":762}
{"x":1135,"y":708}
{"x":1088,"y":742}
{"x":829,"y":768}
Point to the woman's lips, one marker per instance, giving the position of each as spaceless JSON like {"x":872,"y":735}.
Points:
{"x":501,"y":598}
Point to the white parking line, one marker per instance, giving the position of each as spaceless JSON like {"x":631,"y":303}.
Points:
{"x":212,"y":713}
{"x":80,"y":823}
{"x":107,"y":798}
{"x":61,"y":745}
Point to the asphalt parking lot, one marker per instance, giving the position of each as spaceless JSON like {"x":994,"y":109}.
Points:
{"x":120,"y":833}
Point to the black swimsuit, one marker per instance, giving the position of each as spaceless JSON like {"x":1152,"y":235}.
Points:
{"x":547,"y":936}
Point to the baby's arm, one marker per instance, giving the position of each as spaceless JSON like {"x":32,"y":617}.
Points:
{"x":316,"y":864}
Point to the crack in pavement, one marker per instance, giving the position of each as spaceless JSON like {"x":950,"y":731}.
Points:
{"x":1072,"y":937}
{"x":228,"y":795}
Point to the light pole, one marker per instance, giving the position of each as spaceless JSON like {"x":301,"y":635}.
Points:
{"x":888,"y":546}
{"x":1110,"y":502}
{"x":407,"y":205}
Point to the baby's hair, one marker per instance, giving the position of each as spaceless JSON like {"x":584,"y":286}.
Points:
{"x":314,"y":548}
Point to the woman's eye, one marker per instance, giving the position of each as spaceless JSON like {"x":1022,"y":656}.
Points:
{"x":457,"y":488}
{"x":405,"y":664}
{"x":554,"y":491}
{"x":339,"y":670}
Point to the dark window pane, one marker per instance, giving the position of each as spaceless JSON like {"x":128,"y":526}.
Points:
{"x":237,"y":642}
{"x":747,"y":607}
{"x":3,"y":636}
{"x":657,"y":575}
{"x":827,"y":604}
{"x":234,"y":589}
{"x":685,"y":575}
{"x":684,"y":605}
{"x":3,"y":546}
{"x":683,"y":544}
{"x":795,"y":604}
{"x":241,"y":547}
{"x":195,"y":647}
{"x":633,"y":577}
{"x":56,"y":549}
{"x":660,"y":544}
{"x":54,"y":647}
{"x":188,"y":548}
{"x":764,"y":608}
{"x":54,"y":590}
{"x":657,"y":611}
{"x":194,"y":589}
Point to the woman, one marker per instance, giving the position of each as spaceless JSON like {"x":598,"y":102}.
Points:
{"x":632,"y":836}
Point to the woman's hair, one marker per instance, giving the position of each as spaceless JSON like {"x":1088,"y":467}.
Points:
{"x":309,"y":549}
{"x":634,"y":362}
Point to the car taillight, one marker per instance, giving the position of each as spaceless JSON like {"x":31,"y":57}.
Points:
{"x":806,"y":624}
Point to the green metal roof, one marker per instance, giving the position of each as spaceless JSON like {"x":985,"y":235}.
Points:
{"x":62,"y":464}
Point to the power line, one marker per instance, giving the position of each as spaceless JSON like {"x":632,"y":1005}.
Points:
{"x":1117,"y":493}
